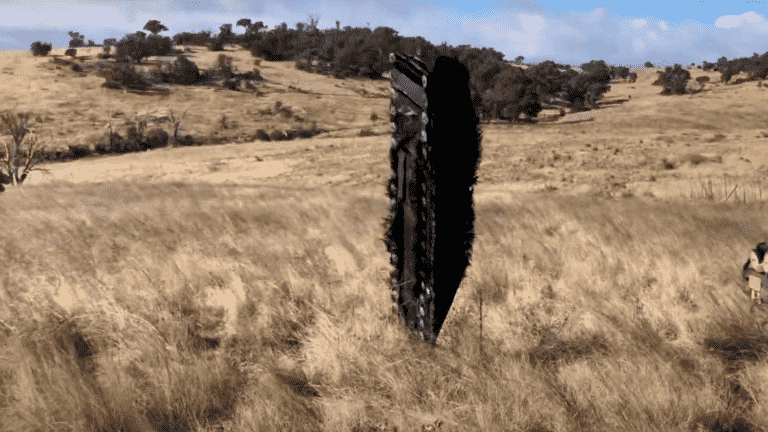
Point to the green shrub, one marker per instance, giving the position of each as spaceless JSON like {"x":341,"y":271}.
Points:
{"x":133,"y":46}
{"x":40,"y":48}
{"x":184,"y":71}
{"x":224,"y":65}
{"x":71,"y":52}
{"x":702,"y":79}
{"x":157,"y":45}
{"x":121,"y":75}
{"x":216,"y":45}
{"x":108,"y":44}
{"x":674,"y":80}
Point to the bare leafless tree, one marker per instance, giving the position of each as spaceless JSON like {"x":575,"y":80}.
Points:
{"x":313,"y":21}
{"x":20,"y":155}
{"x":176,"y":123}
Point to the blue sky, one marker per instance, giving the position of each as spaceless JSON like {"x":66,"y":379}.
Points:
{"x":573,"y":32}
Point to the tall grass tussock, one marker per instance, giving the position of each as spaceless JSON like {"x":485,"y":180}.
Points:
{"x":187,"y":307}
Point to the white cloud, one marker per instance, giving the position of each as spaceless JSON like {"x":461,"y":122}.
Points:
{"x":538,"y":33}
{"x":730,"y":21}
{"x":638,"y":45}
{"x":532,"y":23}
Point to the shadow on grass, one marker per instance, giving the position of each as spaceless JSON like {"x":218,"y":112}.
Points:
{"x":555,"y":351}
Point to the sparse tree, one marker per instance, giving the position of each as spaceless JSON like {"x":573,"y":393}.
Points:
{"x":282,"y":31}
{"x":20,"y":155}
{"x":225,"y":33}
{"x":519,"y":60}
{"x":154,"y":27}
{"x":176,"y":123}
{"x":648,"y":64}
{"x":77,"y":40}
{"x":245,"y":23}
{"x":40,"y":48}
{"x":313,"y":21}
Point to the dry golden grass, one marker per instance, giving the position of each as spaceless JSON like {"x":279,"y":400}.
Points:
{"x":243,"y":287}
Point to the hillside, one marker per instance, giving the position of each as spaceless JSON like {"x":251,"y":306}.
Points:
{"x":243,"y":286}
{"x":625,"y":145}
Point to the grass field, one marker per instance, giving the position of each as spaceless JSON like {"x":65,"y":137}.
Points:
{"x":243,"y":287}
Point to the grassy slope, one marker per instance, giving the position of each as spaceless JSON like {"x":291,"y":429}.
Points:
{"x":596,"y":314}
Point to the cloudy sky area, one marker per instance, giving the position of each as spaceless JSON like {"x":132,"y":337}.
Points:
{"x":571,"y":32}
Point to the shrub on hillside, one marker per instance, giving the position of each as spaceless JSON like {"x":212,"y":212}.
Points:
{"x":72,"y":52}
{"x":104,"y":147}
{"x":157,"y":45}
{"x":727,"y":72}
{"x":40,"y":48}
{"x":187,"y":141}
{"x":674,"y":80}
{"x":103,"y":56}
{"x":277,"y":135}
{"x":304,"y":131}
{"x":156,"y":138}
{"x":132,"y":46}
{"x":223,"y":68}
{"x":702,"y":79}
{"x":304,"y":65}
{"x":633,"y":77}
{"x":217,"y":44}
{"x":123,"y":75}
{"x":80,"y":151}
{"x":77,"y":40}
{"x":253,"y":75}
{"x":262,"y":135}
{"x":648,"y":64}
{"x":184,"y":71}
{"x":134,"y":138}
